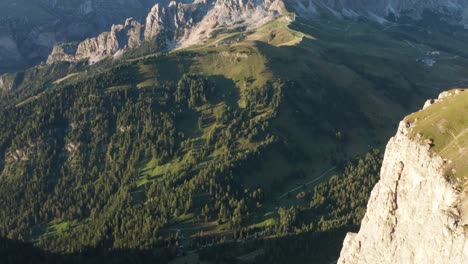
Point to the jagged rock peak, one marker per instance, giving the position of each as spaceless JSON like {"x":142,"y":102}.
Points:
{"x":249,"y":14}
{"x":121,"y":37}
{"x":418,"y":211}
{"x":187,"y":24}
{"x":178,"y":24}
{"x":171,"y":17}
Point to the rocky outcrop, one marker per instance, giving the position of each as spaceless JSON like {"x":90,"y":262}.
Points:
{"x":441,"y":97}
{"x":416,"y":212}
{"x":170,"y":18}
{"x":175,"y":20}
{"x":108,"y":43}
{"x":165,"y":20}
{"x":63,"y":52}
{"x":28,"y":151}
{"x":177,"y":24}
{"x":240,"y":14}
{"x":121,"y":37}
{"x":8,"y":82}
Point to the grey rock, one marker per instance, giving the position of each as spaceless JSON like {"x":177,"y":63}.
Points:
{"x":121,"y":37}
{"x":8,"y":81}
{"x":178,"y":24}
{"x":414,"y":214}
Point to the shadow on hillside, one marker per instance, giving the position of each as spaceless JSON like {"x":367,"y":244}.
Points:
{"x":312,"y":247}
{"x":14,"y":252}
{"x":225,"y":90}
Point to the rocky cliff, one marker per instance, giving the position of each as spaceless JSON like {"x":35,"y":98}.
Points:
{"x":418,"y":211}
{"x":120,"y":38}
{"x":8,"y":81}
{"x":177,"y":24}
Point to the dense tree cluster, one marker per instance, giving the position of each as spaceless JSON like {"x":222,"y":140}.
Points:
{"x":314,"y":231}
{"x":337,"y":203}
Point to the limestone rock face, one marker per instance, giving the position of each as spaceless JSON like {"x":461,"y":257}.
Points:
{"x":128,"y":35}
{"x":187,"y":24}
{"x":178,"y":24}
{"x":415,"y":213}
{"x":8,"y":82}
{"x":240,"y":14}
{"x":173,"y":18}
{"x":63,"y":52}
{"x":156,"y":21}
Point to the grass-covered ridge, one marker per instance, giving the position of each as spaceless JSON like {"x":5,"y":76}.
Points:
{"x":444,"y":125}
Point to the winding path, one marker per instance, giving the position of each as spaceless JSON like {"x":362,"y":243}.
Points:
{"x":307,"y":183}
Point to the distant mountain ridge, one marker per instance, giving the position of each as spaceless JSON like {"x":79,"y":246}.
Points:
{"x":29,"y":29}
{"x":182,"y":24}
{"x":383,"y":8}
{"x":176,"y":24}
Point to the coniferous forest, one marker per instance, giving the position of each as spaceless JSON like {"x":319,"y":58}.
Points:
{"x":102,"y":165}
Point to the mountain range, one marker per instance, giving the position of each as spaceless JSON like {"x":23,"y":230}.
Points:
{"x":225,"y":131}
{"x":27,"y":39}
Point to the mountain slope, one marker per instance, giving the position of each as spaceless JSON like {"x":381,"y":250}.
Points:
{"x":380,"y":10}
{"x":217,"y":142}
{"x":417,"y":212}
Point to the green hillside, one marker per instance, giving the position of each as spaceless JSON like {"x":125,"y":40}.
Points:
{"x":445,"y":125}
